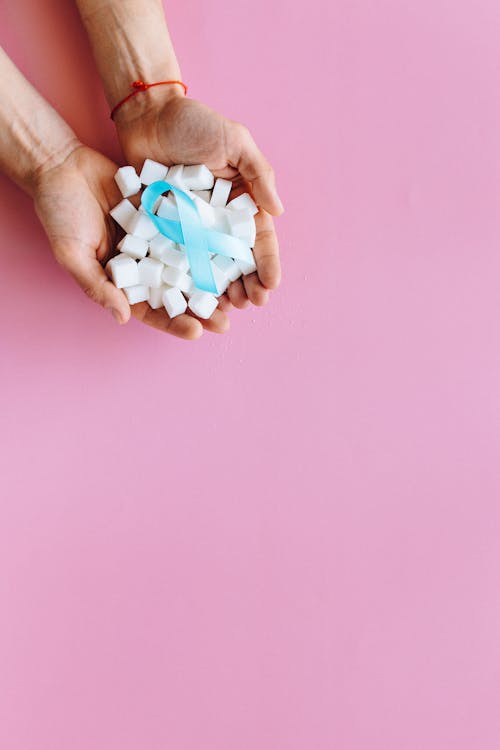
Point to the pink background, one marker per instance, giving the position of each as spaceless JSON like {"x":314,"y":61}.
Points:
{"x":286,"y":538}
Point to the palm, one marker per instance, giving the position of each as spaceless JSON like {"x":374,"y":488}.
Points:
{"x":72,"y":202}
{"x":184,"y":131}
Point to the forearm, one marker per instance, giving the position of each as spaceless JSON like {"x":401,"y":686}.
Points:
{"x":33,"y":136}
{"x":131,"y":42}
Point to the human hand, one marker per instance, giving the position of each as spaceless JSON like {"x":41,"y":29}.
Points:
{"x":176,"y":130}
{"x":72,"y":200}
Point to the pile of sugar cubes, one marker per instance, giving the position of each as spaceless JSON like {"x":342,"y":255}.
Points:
{"x":152,"y":268}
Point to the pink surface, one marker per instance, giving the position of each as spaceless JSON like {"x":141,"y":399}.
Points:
{"x":286,"y":538}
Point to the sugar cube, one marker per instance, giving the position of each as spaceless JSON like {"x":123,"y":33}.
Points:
{"x":123,"y":271}
{"x":137,"y":293}
{"x":221,"y":279}
{"x":150,"y":271}
{"x":128,"y":181}
{"x":175,"y":277}
{"x":204,"y":195}
{"x":175,"y":175}
{"x":202,"y":303}
{"x":221,"y":223}
{"x":158,"y":245}
{"x":246,"y":267}
{"x":123,"y":213}
{"x":142,"y":226}
{"x":228,"y":266}
{"x":155,"y":206}
{"x":136,"y":247}
{"x":220,"y":193}
{"x":152,"y":171}
{"x":156,"y":296}
{"x":242,"y":225}
{"x":175,"y":258}
{"x":167,"y":210}
{"x":198,"y":177}
{"x":174,"y":302}
{"x":205,"y":212}
{"x":243,"y":202}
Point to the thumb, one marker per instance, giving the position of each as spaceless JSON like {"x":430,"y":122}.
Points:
{"x":92,"y":279}
{"x":254,"y":167}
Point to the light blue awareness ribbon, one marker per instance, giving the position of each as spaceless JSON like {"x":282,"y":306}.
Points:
{"x":189,"y":231}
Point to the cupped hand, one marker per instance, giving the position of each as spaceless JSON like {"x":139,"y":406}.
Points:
{"x":183,"y":131}
{"x":73,"y":200}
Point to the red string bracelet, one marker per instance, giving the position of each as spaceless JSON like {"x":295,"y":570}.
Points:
{"x":139,"y":86}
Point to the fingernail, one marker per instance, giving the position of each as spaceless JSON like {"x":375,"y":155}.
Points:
{"x":116,"y":315}
{"x":279,"y":202}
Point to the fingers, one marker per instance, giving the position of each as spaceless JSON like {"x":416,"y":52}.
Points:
{"x":91,"y":277}
{"x":266,"y":252}
{"x":218,"y":322}
{"x":255,"y":291}
{"x":237,"y":295}
{"x":183,"y":326}
{"x":254,"y":167}
{"x":224,"y":303}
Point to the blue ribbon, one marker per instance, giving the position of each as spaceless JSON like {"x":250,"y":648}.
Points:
{"x":189,"y":231}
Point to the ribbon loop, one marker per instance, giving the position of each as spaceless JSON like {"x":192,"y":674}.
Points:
{"x":190,"y":232}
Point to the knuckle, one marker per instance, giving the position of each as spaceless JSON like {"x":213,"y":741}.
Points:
{"x":242,"y":131}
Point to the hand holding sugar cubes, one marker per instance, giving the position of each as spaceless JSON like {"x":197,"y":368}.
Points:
{"x":151,"y":267}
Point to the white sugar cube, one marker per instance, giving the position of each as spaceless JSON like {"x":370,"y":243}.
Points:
{"x":155,"y":206}
{"x":128,"y":181}
{"x":156,"y":296}
{"x":175,"y":258}
{"x":228,"y":267}
{"x":198,"y":177}
{"x":202,"y":303}
{"x":150,"y":271}
{"x":221,"y":223}
{"x":158,"y":245}
{"x":204,"y":195}
{"x":137,"y":293}
{"x":206,"y":212}
{"x":168,"y":210}
{"x":174,"y":302}
{"x":243,"y":202}
{"x":152,"y":171}
{"x":220,"y":193}
{"x":142,"y":226}
{"x":242,"y":225}
{"x":136,"y":247}
{"x":221,"y":280}
{"x":175,"y":277}
{"x":175,"y":175}
{"x":245,"y":267}
{"x":123,"y":213}
{"x":123,"y":271}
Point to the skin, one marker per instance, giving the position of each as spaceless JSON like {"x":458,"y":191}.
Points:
{"x":130,"y":41}
{"x":180,"y":131}
{"x":72,"y":185}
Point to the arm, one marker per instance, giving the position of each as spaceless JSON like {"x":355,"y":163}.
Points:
{"x":73,"y":190}
{"x":41,"y":153}
{"x":33,"y":137}
{"x":131,"y":42}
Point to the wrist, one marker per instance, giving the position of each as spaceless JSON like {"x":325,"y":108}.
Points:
{"x":130,"y":41}
{"x":44,"y":160}
{"x":146,"y":102}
